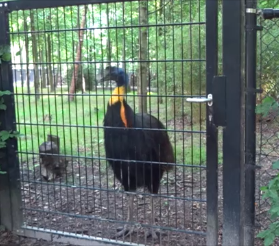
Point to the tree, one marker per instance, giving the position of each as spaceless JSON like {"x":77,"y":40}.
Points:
{"x":49,"y":60}
{"x":143,"y":66}
{"x":26,"y":41}
{"x":35,"y":57}
{"x":78,"y":55}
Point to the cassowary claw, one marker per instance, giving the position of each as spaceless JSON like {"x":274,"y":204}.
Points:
{"x":151,"y":232}
{"x":125,"y":231}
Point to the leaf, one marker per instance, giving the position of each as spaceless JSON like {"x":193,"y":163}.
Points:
{"x":273,"y":194}
{"x":2,"y":144}
{"x":4,"y":135}
{"x":272,"y":183}
{"x":18,"y":53}
{"x":267,"y":104}
{"x":3,"y":107}
{"x":275,"y":165}
{"x":275,"y":211}
{"x":6,"y":57}
{"x":2,"y":93}
{"x":4,"y":49}
{"x":263,"y":188}
{"x":263,"y":234}
{"x":269,"y":240}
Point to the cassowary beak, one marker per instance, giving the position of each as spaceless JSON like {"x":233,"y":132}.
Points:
{"x":104,"y":78}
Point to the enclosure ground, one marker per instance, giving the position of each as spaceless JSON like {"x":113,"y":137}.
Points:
{"x":9,"y":239}
{"x":78,"y":200}
{"x":87,"y":200}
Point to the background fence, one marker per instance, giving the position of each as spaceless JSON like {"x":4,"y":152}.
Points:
{"x":266,"y":114}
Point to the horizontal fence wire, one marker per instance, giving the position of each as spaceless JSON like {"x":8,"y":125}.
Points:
{"x":266,"y":116}
{"x":58,"y":59}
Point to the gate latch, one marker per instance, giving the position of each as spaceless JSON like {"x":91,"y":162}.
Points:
{"x":208,"y":99}
{"x":216,"y":110}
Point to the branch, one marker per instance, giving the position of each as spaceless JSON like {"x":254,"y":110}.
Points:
{"x":156,"y":10}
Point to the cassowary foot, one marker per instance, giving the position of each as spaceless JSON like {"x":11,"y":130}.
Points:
{"x":125,"y":231}
{"x":151,"y":233}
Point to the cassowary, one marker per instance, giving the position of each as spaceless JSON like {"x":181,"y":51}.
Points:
{"x":132,"y":153}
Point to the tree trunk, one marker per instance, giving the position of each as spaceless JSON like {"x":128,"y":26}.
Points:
{"x":43,"y":84}
{"x":78,"y":56}
{"x":124,"y":59}
{"x":49,"y":67}
{"x":27,"y":56}
{"x":142,"y":81}
{"x":35,"y":58}
{"x":21,"y":62}
{"x":161,"y":83}
{"x":83,"y":85}
{"x":93,"y":84}
{"x":109,"y":59}
{"x":108,"y":46}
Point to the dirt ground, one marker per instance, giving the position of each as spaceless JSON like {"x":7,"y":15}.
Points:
{"x":88,"y":201}
{"x":83,"y":202}
{"x":8,"y":239}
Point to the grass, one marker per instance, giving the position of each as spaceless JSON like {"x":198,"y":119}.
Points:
{"x":79,"y":124}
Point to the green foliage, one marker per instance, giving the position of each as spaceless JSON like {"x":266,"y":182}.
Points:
{"x":177,"y":44}
{"x":271,"y":192}
{"x":268,"y":51}
{"x":4,"y":134}
{"x":5,"y":53}
{"x":268,"y":105}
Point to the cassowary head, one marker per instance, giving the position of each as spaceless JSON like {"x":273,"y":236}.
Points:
{"x":117,"y":74}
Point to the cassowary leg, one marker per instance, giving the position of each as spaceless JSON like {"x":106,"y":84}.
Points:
{"x":151,"y":232}
{"x":128,"y":229}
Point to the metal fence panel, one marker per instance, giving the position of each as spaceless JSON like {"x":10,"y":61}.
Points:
{"x":266,"y":114}
{"x":87,"y":201}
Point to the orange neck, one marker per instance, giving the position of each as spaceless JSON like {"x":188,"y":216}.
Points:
{"x":118,"y":96}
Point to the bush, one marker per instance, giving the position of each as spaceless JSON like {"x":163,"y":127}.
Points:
{"x":5,"y":135}
{"x":271,"y":192}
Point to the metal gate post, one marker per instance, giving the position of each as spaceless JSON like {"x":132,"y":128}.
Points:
{"x":211,"y":130}
{"x":233,"y":137}
{"x":10,"y":193}
{"x":250,"y":120}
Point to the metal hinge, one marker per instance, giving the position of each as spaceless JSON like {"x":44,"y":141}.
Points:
{"x":269,"y":14}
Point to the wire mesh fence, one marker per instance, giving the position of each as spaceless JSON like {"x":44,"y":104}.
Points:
{"x":266,"y":115}
{"x":58,"y":58}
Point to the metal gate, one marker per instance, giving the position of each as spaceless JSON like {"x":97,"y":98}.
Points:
{"x":87,"y":205}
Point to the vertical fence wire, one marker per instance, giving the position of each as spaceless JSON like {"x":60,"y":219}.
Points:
{"x":51,"y":48}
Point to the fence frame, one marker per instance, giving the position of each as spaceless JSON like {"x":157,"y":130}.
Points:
{"x":233,"y":172}
{"x":233,"y":137}
{"x":211,"y":129}
{"x":250,"y":120}
{"x":10,"y":188}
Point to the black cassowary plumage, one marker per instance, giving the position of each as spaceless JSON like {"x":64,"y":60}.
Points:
{"x":127,"y":138}
{"x":132,"y":144}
